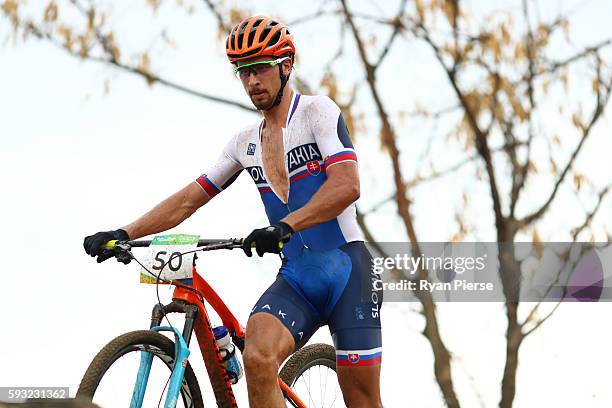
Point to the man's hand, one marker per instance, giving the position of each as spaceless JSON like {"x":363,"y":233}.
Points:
{"x":93,"y":243}
{"x":267,"y":240}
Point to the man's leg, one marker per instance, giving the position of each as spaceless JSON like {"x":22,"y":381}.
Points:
{"x":360,"y":386}
{"x":281,"y":321}
{"x":268,"y":344}
{"x":355,"y":327}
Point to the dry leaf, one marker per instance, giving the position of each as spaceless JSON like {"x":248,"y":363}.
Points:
{"x":564,"y":78}
{"x":154,"y":4}
{"x":65,"y":32}
{"x":10,"y":7}
{"x":519,"y":51}
{"x":577,"y":122}
{"x":578,"y":179}
{"x":596,"y":85}
{"x":537,"y":243}
{"x":420,"y":8}
{"x":50,"y":12}
{"x":565,"y":26}
{"x":553,"y":167}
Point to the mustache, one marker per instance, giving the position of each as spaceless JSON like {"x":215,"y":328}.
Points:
{"x":256,"y":91}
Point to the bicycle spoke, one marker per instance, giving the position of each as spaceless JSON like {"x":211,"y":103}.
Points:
{"x":114,"y":391}
{"x":320,"y":396}
{"x":324,"y":388}
{"x":309,"y":395}
{"x":322,"y":399}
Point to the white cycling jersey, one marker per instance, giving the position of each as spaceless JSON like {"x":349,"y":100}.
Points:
{"x":315,"y":138}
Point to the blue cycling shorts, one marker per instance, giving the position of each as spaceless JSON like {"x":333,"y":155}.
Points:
{"x":331,"y":288}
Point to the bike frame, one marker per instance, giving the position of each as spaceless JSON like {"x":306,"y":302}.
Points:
{"x":186,"y":301}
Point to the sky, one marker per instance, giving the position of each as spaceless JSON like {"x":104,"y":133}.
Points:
{"x":75,"y":160}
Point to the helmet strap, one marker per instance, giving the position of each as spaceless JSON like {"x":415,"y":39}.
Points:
{"x":279,"y":96}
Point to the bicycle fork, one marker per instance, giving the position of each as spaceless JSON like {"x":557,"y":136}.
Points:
{"x":181,"y":353}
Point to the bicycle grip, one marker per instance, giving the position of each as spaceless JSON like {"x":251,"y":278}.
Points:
{"x":280,"y":245}
{"x":110,"y":244}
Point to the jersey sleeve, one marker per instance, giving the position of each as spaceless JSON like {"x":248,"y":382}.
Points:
{"x":223,"y":173}
{"x":330,"y":132}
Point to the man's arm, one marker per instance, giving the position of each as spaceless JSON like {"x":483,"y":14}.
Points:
{"x":169,"y":213}
{"x":174,"y":209}
{"x":179,"y":206}
{"x":340,"y":190}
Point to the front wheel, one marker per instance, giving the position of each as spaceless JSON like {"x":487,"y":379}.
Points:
{"x":110,"y":378}
{"x":311,"y":373}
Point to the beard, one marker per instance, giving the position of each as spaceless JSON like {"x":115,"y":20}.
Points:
{"x":261,"y":101}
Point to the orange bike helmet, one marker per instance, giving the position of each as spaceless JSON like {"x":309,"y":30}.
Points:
{"x":258,"y":36}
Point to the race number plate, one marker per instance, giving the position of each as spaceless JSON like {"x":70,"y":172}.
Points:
{"x":166,"y":255}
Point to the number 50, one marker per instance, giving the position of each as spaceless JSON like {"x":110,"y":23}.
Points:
{"x":161,"y":258}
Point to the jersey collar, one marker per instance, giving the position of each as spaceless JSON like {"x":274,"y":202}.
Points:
{"x":293,"y":106}
{"x":295,"y":100}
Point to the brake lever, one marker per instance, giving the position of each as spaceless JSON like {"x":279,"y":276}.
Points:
{"x":122,"y":252}
{"x":124,"y":257}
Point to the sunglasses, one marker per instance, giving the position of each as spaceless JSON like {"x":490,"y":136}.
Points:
{"x":256,"y":68}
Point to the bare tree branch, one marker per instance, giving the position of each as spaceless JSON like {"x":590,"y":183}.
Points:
{"x":397,"y":27}
{"x":521,"y":172}
{"x":454,"y":21}
{"x":319,"y":13}
{"x":434,"y":175}
{"x":152,"y":78}
{"x":584,"y":249}
{"x":557,"y":281}
{"x":599,"y":108}
{"x":589,"y":217}
{"x":542,"y":320}
{"x":370,"y":239}
{"x":556,"y":65}
{"x":220,"y":20}
{"x":481,"y":138}
{"x":442,"y":367}
{"x":111,"y":59}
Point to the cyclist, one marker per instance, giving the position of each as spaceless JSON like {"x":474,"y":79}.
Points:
{"x":303,"y":163}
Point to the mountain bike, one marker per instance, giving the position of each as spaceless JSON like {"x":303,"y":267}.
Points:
{"x":142,"y":366}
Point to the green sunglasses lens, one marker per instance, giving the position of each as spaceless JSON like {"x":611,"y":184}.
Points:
{"x":256,"y":67}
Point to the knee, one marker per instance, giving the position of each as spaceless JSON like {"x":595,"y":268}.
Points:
{"x":257,"y":360}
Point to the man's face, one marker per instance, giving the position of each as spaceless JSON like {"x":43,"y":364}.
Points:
{"x":262,"y":81}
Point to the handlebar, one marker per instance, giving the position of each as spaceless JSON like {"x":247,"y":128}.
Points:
{"x":207,"y":244}
{"x":121,"y":250}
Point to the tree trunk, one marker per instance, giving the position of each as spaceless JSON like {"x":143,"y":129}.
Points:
{"x":514,"y":338}
{"x":510,"y":276}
